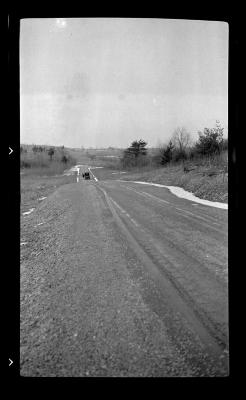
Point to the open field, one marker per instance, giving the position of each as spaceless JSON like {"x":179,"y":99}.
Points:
{"x":41,"y":163}
{"x":108,"y":158}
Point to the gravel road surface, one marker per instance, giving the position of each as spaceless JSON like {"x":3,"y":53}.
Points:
{"x":123,"y":280}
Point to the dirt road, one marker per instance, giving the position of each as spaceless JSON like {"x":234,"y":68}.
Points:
{"x":121,"y":279}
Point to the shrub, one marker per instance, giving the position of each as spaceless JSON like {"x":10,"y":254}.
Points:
{"x":51,"y":152}
{"x":25,"y":164}
{"x":64,"y":159}
{"x":128,"y":160}
{"x":167,"y":153}
{"x":179,"y":155}
{"x":210,"y":140}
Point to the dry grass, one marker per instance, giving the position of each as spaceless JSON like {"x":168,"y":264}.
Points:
{"x":97,"y":158}
{"x":206,"y":180}
{"x":40,"y":163}
{"x":54,"y":168}
{"x":35,"y":187}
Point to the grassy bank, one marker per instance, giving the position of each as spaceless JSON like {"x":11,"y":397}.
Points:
{"x":35,"y":187}
{"x":42,"y":173}
{"x":205,"y":180}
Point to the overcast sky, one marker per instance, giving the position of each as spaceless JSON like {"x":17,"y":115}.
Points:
{"x":107,"y":81}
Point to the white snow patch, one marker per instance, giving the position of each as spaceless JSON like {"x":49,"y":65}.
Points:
{"x":28,"y":212}
{"x":73,"y":169}
{"x":95,"y":167}
{"x":40,"y":223}
{"x":89,"y":168}
{"x":180,"y":192}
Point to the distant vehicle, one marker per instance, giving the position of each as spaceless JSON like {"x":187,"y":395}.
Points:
{"x":87,"y":175}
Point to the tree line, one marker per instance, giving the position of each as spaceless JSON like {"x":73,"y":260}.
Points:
{"x":50,"y":151}
{"x":58,"y":154}
{"x":179,"y":148}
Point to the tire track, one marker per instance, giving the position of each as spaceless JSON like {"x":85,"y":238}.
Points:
{"x":212,"y":340}
{"x":207,"y":221}
{"x":183,"y":254}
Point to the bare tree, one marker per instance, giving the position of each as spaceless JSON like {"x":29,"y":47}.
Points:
{"x":181,"y":139}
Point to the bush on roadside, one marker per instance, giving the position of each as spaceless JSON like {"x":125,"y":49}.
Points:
{"x":167,"y":153}
{"x":179,"y":155}
{"x":210,"y":141}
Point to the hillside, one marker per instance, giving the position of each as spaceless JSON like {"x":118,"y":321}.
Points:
{"x":210,"y":183}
